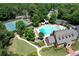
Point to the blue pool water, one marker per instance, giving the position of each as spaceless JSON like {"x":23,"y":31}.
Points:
{"x":48,"y":29}
{"x":10,"y":26}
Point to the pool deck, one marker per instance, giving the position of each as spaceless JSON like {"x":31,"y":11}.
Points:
{"x":36,"y":31}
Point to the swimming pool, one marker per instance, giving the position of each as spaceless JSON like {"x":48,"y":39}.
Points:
{"x":48,"y":29}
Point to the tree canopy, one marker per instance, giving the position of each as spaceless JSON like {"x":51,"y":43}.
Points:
{"x":20,"y":27}
{"x":39,"y":11}
{"x":29,"y":34}
{"x":5,"y":38}
{"x":53,"y":18}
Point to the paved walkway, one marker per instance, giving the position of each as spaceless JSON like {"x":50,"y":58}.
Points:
{"x":38,"y":48}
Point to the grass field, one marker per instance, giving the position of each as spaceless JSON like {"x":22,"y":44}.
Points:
{"x":58,"y":52}
{"x":23,"y":48}
{"x":75,"y":46}
{"x":53,"y":52}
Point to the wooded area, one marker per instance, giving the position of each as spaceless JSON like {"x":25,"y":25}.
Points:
{"x":37,"y":12}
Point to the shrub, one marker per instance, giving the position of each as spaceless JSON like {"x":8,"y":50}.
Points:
{"x":29,"y":34}
{"x":41,"y":35}
{"x":40,"y":43}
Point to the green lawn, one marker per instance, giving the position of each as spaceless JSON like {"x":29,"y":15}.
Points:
{"x":53,"y":51}
{"x":40,"y":43}
{"x":75,"y":46}
{"x":58,"y":52}
{"x":23,"y":48}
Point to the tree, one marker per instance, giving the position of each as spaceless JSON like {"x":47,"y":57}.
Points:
{"x":5,"y":38}
{"x":29,"y":34}
{"x":46,"y":17}
{"x":41,"y":35}
{"x":20,"y":26}
{"x":52,"y":18}
{"x":75,"y":17}
{"x":7,"y":13}
{"x":35,"y":20}
{"x":2,"y":28}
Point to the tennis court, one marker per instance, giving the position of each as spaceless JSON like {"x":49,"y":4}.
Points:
{"x":11,"y":26}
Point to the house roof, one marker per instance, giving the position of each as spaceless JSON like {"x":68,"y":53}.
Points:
{"x":62,"y":36}
{"x":68,"y":34}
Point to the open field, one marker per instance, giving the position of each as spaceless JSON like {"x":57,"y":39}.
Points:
{"x":23,"y":48}
{"x":53,"y":52}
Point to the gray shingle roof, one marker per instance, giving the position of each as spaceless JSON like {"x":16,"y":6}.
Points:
{"x":62,"y":36}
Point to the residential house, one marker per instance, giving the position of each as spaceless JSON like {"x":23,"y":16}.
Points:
{"x":61,"y":37}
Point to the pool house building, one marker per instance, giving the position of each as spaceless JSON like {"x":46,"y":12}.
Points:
{"x":61,"y":37}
